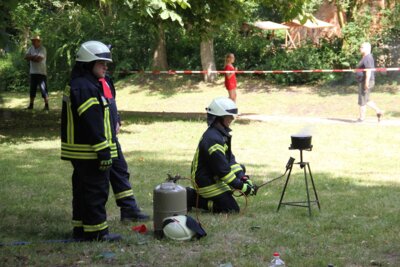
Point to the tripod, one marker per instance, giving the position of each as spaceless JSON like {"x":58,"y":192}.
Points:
{"x":308,"y":202}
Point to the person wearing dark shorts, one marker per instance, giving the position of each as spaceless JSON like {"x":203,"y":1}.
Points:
{"x":36,"y":55}
{"x":366,"y":81}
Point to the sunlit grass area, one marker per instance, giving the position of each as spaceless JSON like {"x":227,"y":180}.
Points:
{"x":189,"y":94}
{"x":355,"y":168}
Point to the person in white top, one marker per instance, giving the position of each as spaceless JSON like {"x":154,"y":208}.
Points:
{"x":366,"y":81}
{"x":36,"y":55}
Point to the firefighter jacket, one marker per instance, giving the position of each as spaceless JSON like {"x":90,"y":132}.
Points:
{"x":87,"y":123}
{"x":214,"y":168}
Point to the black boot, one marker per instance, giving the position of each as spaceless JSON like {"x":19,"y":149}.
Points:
{"x":30,"y":106}
{"x":77,"y":234}
{"x":102,"y":236}
{"x":129,"y":214}
{"x":110,"y":238}
{"x":191,"y":196}
{"x":46,"y":107}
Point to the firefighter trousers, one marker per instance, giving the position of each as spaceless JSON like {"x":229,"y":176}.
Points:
{"x":90,"y":188}
{"x":222,"y":203}
{"x":119,"y":179}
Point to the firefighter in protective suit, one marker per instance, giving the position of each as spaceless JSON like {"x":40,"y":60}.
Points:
{"x":215,"y":173}
{"x":88,"y":139}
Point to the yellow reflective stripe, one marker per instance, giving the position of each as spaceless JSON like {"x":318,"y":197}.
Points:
{"x":88,"y":103}
{"x":225,"y":147}
{"x":85,"y":147}
{"x":236,"y":168}
{"x":215,"y":148}
{"x":83,"y":151}
{"x":113,"y":146}
{"x":213,"y":190}
{"x":84,"y":155}
{"x":78,"y":155}
{"x":76,"y":147}
{"x":123,"y":194}
{"x":95,"y":228}
{"x":195,"y":163}
{"x":107,"y":127}
{"x":210,"y":205}
{"x":70,"y":121}
{"x":100,"y":146}
{"x":228,"y":178}
{"x":77,"y":223}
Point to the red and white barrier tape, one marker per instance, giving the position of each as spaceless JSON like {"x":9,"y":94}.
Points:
{"x":172,"y":72}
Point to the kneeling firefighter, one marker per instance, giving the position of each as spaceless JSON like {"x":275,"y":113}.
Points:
{"x":215,"y":173}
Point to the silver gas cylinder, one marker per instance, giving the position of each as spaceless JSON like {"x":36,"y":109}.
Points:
{"x":169,"y":199}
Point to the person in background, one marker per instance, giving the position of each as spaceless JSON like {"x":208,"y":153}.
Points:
{"x":36,"y":55}
{"x":215,"y":172}
{"x":230,"y":78}
{"x":366,"y":81}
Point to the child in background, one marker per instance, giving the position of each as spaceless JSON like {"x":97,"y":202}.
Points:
{"x":230,"y":78}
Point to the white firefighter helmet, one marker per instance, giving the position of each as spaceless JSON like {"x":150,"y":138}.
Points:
{"x":222,"y":106}
{"x":175,"y":228}
{"x":92,"y":51}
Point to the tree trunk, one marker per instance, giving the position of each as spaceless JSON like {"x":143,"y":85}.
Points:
{"x":339,"y":9}
{"x":207,"y":58}
{"x":160,"y":53}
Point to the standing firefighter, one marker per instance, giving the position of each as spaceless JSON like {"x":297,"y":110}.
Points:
{"x":89,"y":125}
{"x":215,"y":172}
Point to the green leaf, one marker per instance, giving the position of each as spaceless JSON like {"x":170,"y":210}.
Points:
{"x":165,"y":14}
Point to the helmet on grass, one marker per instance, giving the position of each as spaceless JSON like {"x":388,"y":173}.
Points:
{"x":175,"y":228}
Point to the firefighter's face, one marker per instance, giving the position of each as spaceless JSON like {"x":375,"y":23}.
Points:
{"x":227,"y":120}
{"x":100,"y":69}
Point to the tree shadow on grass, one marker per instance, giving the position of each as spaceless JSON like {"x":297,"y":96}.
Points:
{"x":21,"y":125}
{"x":24,"y":125}
{"x":145,"y":117}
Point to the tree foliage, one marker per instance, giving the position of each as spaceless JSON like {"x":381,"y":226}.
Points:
{"x":132,"y":27}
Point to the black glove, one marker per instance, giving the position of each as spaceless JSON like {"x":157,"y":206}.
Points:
{"x":248,"y":189}
{"x":105,"y":160}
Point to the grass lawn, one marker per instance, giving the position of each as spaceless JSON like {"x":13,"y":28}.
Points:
{"x":355,"y":168}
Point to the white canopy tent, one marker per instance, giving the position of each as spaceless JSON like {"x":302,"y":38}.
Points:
{"x":269,"y":25}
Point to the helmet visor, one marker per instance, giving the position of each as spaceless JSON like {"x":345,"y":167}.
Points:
{"x":232,"y":111}
{"x":104,"y":55}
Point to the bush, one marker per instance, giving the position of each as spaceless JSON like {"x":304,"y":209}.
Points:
{"x":14,"y":72}
{"x":259,"y":52}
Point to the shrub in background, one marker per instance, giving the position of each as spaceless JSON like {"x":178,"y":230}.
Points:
{"x":14,"y":72}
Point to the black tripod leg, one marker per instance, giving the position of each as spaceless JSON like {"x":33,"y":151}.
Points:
{"x":313,"y":185}
{"x":308,"y":194}
{"x":286,"y":183}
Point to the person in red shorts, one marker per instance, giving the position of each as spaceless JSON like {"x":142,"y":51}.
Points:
{"x":230,"y":78}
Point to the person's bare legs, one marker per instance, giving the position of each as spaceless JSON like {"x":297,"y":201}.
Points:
{"x":378,"y":111}
{"x":232,"y":94}
{"x":363,"y":111}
